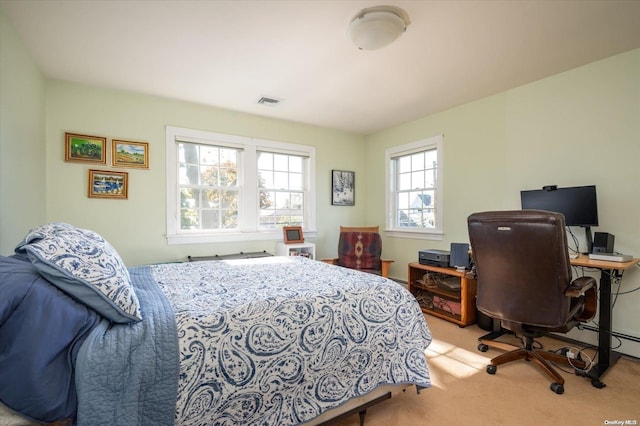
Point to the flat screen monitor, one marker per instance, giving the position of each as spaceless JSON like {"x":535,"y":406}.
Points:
{"x":578,"y":204}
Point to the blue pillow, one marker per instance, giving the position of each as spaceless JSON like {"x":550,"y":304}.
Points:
{"x":85,"y":266}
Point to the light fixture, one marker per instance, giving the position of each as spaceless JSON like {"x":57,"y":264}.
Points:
{"x":375,"y":27}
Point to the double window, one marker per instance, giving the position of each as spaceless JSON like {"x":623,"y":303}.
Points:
{"x":414,"y":189}
{"x":230,"y":188}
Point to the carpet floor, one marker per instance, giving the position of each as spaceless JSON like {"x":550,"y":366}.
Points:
{"x":462,"y":392}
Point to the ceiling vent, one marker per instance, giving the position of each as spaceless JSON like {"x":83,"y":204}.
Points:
{"x":265,"y":100}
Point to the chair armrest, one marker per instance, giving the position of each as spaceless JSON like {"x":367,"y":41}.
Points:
{"x":579,"y":286}
{"x":332,"y":261}
{"x":385,"y":267}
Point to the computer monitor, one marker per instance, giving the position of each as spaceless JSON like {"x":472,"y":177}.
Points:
{"x":578,"y":204}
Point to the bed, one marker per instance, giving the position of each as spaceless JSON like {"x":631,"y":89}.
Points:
{"x":269,"y":341}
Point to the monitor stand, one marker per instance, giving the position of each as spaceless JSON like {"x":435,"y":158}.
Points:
{"x":589,"y":236}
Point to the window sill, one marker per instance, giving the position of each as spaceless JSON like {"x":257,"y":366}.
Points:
{"x":230,"y":237}
{"x":414,"y":234}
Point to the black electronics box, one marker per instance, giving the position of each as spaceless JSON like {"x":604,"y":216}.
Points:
{"x":434,"y":257}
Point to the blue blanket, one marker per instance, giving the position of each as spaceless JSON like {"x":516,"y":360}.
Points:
{"x":142,"y":390}
{"x":41,"y":331}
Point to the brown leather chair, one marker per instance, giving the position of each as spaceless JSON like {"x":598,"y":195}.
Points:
{"x":361,"y":248}
{"x":524,"y":281}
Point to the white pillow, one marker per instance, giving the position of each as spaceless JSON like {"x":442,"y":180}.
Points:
{"x":85,"y":266}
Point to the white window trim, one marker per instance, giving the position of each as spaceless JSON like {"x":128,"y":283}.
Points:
{"x":390,"y":205}
{"x":250,"y":146}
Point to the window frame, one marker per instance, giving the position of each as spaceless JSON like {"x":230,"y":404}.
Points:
{"x":247,"y":179}
{"x":391,"y":229}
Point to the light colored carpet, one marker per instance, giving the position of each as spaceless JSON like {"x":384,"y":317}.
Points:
{"x":518,"y":394}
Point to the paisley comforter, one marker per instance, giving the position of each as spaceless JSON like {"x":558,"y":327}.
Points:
{"x":280,"y":340}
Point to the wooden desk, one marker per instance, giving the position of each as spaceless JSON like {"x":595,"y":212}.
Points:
{"x":606,"y":356}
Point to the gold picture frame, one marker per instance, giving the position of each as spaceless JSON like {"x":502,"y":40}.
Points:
{"x":292,"y":234}
{"x":129,"y":154}
{"x":85,"y":148}
{"x":108,"y":184}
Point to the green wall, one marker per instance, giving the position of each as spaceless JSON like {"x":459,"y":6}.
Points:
{"x":22,"y":155}
{"x":136,"y":226}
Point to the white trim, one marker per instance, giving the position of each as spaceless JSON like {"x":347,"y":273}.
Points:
{"x":247,"y":181}
{"x":434,"y":142}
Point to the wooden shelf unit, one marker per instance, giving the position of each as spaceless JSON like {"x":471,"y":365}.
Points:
{"x":457,"y":306}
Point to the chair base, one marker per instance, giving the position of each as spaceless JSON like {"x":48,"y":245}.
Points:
{"x":542,"y":359}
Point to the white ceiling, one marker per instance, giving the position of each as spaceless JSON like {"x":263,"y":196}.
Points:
{"x":230,"y":53}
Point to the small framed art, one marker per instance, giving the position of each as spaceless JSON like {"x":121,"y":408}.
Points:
{"x":108,"y":184}
{"x":85,"y":148}
{"x":292,"y":234}
{"x":129,"y":154}
{"x":343,"y":188}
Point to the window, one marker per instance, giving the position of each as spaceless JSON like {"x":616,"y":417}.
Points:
{"x":230,"y":188}
{"x":414,"y":189}
{"x":281,"y":186}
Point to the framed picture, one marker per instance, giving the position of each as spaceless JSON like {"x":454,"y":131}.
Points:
{"x":129,"y":154}
{"x":343,"y":188}
{"x":292,"y":234}
{"x":108,"y":184}
{"x":85,"y":148}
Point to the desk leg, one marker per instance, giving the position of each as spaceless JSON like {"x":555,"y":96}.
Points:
{"x":606,"y":356}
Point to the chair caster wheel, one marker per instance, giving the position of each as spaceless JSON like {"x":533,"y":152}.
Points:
{"x":491,"y":369}
{"x":557,"y":388}
{"x":482,"y":347}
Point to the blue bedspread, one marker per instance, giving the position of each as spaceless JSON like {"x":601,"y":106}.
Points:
{"x":127,"y":374}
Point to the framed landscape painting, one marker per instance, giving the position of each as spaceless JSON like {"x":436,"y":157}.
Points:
{"x":108,"y":184}
{"x":130,"y":154}
{"x":85,"y":148}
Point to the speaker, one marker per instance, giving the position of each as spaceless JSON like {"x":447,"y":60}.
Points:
{"x":603,"y":242}
{"x":459,"y":255}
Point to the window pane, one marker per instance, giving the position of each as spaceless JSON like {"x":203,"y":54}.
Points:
{"x":208,"y":155}
{"x":265,"y":179}
{"x":404,"y":164}
{"x":189,"y":175}
{"x":295,"y":181}
{"x":210,"y":219}
{"x":281,"y":162}
{"x":281,"y":180}
{"x":209,"y":175}
{"x":295,"y":164}
{"x":265,"y":161}
{"x":417,"y":161}
{"x":431,"y":158}
{"x":404,"y":181}
{"x":417,"y":179}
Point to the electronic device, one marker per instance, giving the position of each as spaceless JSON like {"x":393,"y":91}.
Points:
{"x":434,"y":257}
{"x":459,"y":255}
{"x":603,"y":242}
{"x":611,"y":257}
{"x":578,"y":205}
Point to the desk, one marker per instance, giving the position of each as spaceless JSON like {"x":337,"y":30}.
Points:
{"x":606,"y":356}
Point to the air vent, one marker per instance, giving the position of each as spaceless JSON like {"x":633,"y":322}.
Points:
{"x":268,"y":101}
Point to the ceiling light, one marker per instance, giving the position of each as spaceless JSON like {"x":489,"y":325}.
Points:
{"x":375,"y":27}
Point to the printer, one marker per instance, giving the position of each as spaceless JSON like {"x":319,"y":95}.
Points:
{"x":434,"y":257}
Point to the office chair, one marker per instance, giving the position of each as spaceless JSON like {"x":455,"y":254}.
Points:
{"x":524,"y":280}
{"x":361,"y":248}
